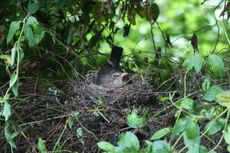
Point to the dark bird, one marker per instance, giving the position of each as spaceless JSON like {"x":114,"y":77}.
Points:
{"x":110,"y":76}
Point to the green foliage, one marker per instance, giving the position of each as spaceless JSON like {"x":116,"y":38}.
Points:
{"x":211,"y":93}
{"x":216,"y":63}
{"x":160,"y":133}
{"x":136,"y":121}
{"x":41,"y":146}
{"x":157,"y":38}
{"x":223,"y":98}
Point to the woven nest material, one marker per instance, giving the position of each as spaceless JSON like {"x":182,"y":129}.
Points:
{"x":137,"y":90}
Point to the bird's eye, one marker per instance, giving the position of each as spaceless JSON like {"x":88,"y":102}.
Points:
{"x":115,"y":75}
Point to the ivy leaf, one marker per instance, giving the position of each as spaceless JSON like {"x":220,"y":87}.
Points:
{"x":14,"y":26}
{"x":211,"y":93}
{"x":160,"y":133}
{"x":216,"y":63}
{"x":136,"y":121}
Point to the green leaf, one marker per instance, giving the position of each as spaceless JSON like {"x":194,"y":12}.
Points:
{"x":101,"y":100}
{"x":15,"y":88}
{"x":128,"y":141}
{"x":106,"y":146}
{"x":203,"y":149}
{"x":41,"y":146}
{"x":198,"y":62}
{"x":6,"y":112}
{"x":29,"y":35}
{"x":136,"y":121}
{"x":206,"y":84}
{"x":215,"y":126}
{"x":33,"y":7}
{"x":195,"y":61}
{"x":216,"y":63}
{"x":227,"y":135}
{"x":160,"y":133}
{"x":191,"y":137}
{"x":179,"y":127}
{"x":14,"y":26}
{"x":21,"y":54}
{"x":223,"y":98}
{"x":189,"y":63}
{"x":228,"y":148}
{"x":211,"y":93}
{"x":73,"y":117}
{"x":13,"y":56}
{"x":79,"y":134}
{"x":39,"y":33}
{"x":31,"y":21}
{"x":160,"y":147}
{"x":187,"y":103}
{"x":10,"y":135}
{"x":13,"y":79}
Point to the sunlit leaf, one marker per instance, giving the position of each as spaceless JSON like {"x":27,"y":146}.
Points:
{"x":223,"y":98}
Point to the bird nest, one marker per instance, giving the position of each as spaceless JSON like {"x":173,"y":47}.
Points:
{"x":136,"y":90}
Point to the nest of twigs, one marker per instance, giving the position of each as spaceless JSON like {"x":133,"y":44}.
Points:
{"x":136,"y":90}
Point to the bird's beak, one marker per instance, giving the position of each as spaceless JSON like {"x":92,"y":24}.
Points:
{"x":124,"y":75}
